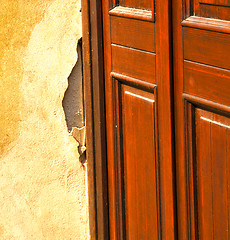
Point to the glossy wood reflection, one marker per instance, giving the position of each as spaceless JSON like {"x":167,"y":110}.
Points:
{"x":204,"y":81}
{"x":213,"y":168}
{"x":134,"y":63}
{"x":125,"y":31}
{"x":140,"y":4}
{"x":218,"y":9}
{"x":207,"y":47}
{"x":138,"y":114}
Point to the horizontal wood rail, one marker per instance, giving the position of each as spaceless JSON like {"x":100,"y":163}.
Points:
{"x":132,"y":13}
{"x":133,"y":82}
{"x":207,"y":24}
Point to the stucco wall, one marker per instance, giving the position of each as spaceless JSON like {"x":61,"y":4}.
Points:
{"x":42,"y":183}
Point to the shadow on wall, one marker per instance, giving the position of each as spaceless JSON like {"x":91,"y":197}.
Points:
{"x":73,"y":100}
{"x":73,"y":104}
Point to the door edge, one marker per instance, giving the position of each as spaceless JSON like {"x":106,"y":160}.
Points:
{"x":95,"y":118}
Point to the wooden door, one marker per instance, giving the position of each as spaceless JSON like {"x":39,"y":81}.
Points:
{"x":201,"y":61}
{"x":137,"y":66}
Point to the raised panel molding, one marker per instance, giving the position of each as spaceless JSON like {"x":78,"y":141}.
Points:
{"x":137,"y":141}
{"x":208,"y":173}
{"x":139,"y":9}
{"x":139,"y":4}
{"x":219,"y":9}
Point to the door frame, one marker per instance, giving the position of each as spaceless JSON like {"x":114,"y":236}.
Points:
{"x":94,"y":100}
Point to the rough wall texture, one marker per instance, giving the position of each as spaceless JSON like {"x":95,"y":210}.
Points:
{"x":42,"y":183}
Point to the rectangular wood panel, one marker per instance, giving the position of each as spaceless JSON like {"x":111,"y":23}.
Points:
{"x":207,"y":82}
{"x":207,"y":47}
{"x":216,"y":2}
{"x":216,"y":9}
{"x":132,"y":13}
{"x":213,"y":176}
{"x":134,"y":63}
{"x":126,"y":31}
{"x":140,"y":167}
{"x":140,"y":4}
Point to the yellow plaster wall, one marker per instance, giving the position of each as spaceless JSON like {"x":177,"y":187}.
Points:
{"x":42,"y":183}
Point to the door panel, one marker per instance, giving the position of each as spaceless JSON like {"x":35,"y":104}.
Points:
{"x":141,"y":204}
{"x":208,"y":173}
{"x":144,"y":63}
{"x":211,"y":48}
{"x":204,"y":81}
{"x":141,"y":4}
{"x":212,"y":131}
{"x":127,"y":33}
{"x":202,"y":117}
{"x":138,"y":119}
{"x":218,"y":9}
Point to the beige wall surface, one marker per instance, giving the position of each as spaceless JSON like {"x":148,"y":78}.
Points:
{"x":43,"y":193}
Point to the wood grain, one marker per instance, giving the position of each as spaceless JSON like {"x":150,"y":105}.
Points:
{"x":125,"y":31}
{"x":139,"y":4}
{"x":204,"y":81}
{"x":134,"y":63}
{"x":140,"y":164}
{"x":216,"y":9}
{"x":212,"y":134}
{"x":207,"y":47}
{"x":132,"y":13}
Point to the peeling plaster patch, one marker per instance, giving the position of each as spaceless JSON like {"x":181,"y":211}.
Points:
{"x":73,"y":99}
{"x":42,"y":183}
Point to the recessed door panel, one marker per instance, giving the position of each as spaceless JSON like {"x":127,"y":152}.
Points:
{"x":213,"y":169}
{"x":208,"y":173}
{"x":140,"y":166}
{"x":219,"y":9}
{"x":139,"y":4}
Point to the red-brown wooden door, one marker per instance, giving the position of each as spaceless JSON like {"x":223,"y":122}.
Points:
{"x":201,"y":61}
{"x":139,"y":119}
{"x":152,"y":49}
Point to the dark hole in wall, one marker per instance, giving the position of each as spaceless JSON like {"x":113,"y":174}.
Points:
{"x":73,"y":103}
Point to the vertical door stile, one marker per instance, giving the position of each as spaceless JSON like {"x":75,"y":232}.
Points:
{"x":201,"y":46}
{"x":137,"y":68}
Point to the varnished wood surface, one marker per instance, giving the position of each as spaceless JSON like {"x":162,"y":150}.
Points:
{"x":207,"y":82}
{"x":132,"y":13}
{"x":127,"y":33}
{"x":138,"y":88}
{"x":130,"y":38}
{"x":98,"y":111}
{"x":140,"y":64}
{"x":150,"y":87}
{"x":216,"y":9}
{"x":207,"y":24}
{"x":95,"y":119}
{"x":139,"y":4}
{"x":89,"y":118}
{"x":139,"y":164}
{"x":207,"y":47}
{"x":201,"y":83}
{"x":212,"y":147}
